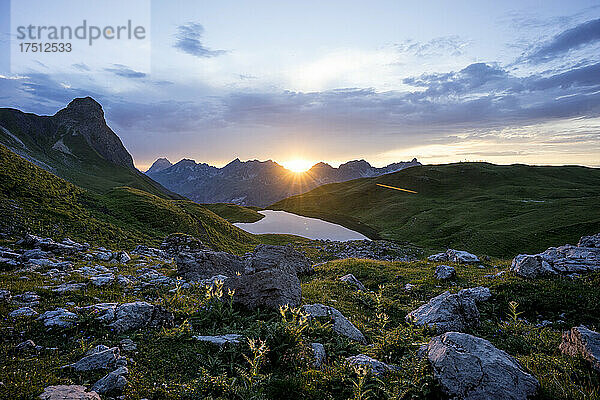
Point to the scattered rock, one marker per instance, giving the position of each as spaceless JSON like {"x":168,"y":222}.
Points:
{"x":319,"y":354}
{"x":375,"y":367}
{"x":122,"y":257}
{"x":341,"y":324}
{"x":28,"y":299}
{"x":104,"y":359}
{"x":497,"y":275}
{"x":470,"y":368}
{"x":564,"y":260}
{"x":444,"y":272}
{"x":28,"y":345}
{"x":352,"y":281}
{"x":203,"y":264}
{"x":102,"y":311}
{"x":131,"y":316}
{"x":70,"y":392}
{"x":221,"y":340}
{"x":4,"y":295}
{"x":68,"y":287}
{"x":113,"y":382}
{"x":23,"y":312}
{"x":177,"y":243}
{"x":582,"y":341}
{"x":59,"y":318}
{"x":280,"y":257}
{"x":102,"y":279}
{"x":478,"y":294}
{"x":455,"y":256}
{"x":128,"y":345}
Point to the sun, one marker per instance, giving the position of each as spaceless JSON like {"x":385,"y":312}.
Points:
{"x":298,"y":165}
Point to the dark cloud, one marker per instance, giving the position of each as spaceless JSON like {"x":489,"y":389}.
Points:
{"x":125,"y":71}
{"x":574,"y":38}
{"x":188,"y":40}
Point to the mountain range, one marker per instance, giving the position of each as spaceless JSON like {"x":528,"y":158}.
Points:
{"x":256,"y":183}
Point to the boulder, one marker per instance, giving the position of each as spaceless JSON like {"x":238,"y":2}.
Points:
{"x":319,"y":354}
{"x":114,"y":382}
{"x":451,"y":312}
{"x":455,"y":256}
{"x":128,"y":345}
{"x":23,"y":312}
{"x":28,"y":345}
{"x":563,"y":260}
{"x":68,"y":392}
{"x":177,"y":243}
{"x":47,"y":244}
{"x":353,"y":282}
{"x":221,"y":340}
{"x":202,"y":264}
{"x":122,"y":257}
{"x":59,"y":318}
{"x":131,"y":316}
{"x":470,"y":368}
{"x":102,"y":279}
{"x":4,"y":295}
{"x":102,"y":311}
{"x":282,"y":257}
{"x":582,"y":341}
{"x":104,"y":359}
{"x":444,"y":272}
{"x":341,"y":324}
{"x":375,"y":367}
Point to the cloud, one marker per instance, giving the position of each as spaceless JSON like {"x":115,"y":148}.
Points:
{"x":571,"y":39}
{"x":81,"y":67}
{"x":444,"y":45}
{"x":125,"y":72}
{"x":188,"y":41}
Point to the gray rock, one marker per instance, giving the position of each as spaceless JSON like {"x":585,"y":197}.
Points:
{"x":122,"y":257}
{"x":450,"y":312}
{"x":102,"y":279}
{"x":26,"y":346}
{"x":319,"y":354}
{"x":104,"y":359}
{"x":281,"y":257}
{"x":23,"y":312}
{"x":102,"y":311}
{"x":113,"y":382}
{"x":352,"y":281}
{"x":68,"y":287}
{"x":341,"y":324}
{"x":564,"y":260}
{"x":203,"y":264}
{"x":131,"y":316}
{"x":177,"y":243}
{"x":47,"y":244}
{"x":154,"y":277}
{"x":70,"y":392}
{"x":497,"y":275}
{"x":444,"y":272}
{"x":455,"y":256}
{"x":59,"y":318}
{"x":96,"y":349}
{"x":4,"y":295}
{"x":470,"y":368}
{"x":375,"y":367}
{"x":582,"y":341}
{"x":128,"y":345}
{"x":221,"y":340}
{"x":29,"y":299}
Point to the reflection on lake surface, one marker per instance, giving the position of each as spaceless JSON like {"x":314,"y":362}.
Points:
{"x":288,"y":223}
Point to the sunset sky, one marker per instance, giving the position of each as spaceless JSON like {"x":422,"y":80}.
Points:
{"x":507,"y":82}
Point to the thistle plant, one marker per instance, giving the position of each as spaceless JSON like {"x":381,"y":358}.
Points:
{"x":513,"y":313}
{"x":362,"y":372}
{"x":294,"y":321}
{"x":259,"y":350}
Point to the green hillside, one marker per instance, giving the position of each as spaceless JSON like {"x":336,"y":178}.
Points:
{"x":484,"y":208}
{"x":34,"y":200}
{"x":234,"y":213}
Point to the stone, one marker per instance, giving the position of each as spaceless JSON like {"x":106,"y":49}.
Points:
{"x":23,"y":312}
{"x":68,"y":392}
{"x":455,"y":256}
{"x":47,"y":244}
{"x":198,"y":265}
{"x":319,"y":354}
{"x":582,"y":341}
{"x":341,"y":324}
{"x":374,"y":366}
{"x":68,"y":287}
{"x":139,"y":314}
{"x":353,"y":282}
{"x":27,"y":299}
{"x":444,"y":272}
{"x":128,"y":345}
{"x":470,"y":368}
{"x":122,"y":257}
{"x":102,"y":279}
{"x":96,"y":349}
{"x":104,"y":359}
{"x":154,"y":277}
{"x":25,"y":346}
{"x":113,"y":382}
{"x":177,"y":243}
{"x":4,"y":295}
{"x":450,"y":312}
{"x":565,"y":260}
{"x":267,"y":256}
{"x":59,"y":318}
{"x":221,"y":340}
{"x":102,"y":311}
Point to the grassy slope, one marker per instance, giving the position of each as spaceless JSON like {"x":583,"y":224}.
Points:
{"x":234,"y":213}
{"x":479,"y":207}
{"x":32,"y":199}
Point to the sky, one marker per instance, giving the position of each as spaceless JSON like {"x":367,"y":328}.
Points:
{"x":386,"y":81}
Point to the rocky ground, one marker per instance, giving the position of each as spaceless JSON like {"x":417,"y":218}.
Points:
{"x":186,"y":322}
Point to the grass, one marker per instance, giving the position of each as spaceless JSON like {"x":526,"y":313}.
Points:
{"x":479,"y":207}
{"x":234,"y":213}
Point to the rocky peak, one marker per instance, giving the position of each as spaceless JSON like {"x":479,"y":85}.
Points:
{"x":159,"y":165}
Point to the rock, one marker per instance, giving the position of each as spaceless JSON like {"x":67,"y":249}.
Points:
{"x":128,"y":345}
{"x":114,"y":382}
{"x":154,"y":277}
{"x":23,"y":312}
{"x":4,"y":295}
{"x":131,"y":316}
{"x":68,"y":287}
{"x":444,"y":272}
{"x":151,"y":252}
{"x":564,"y":260}
{"x":102,"y":311}
{"x":355,"y":283}
{"x":177,"y":243}
{"x":282,"y":257}
{"x":319,"y":354}
{"x":450,"y":312}
{"x":70,"y":392}
{"x":96,"y":349}
{"x":470,"y":368}
{"x":102,"y":279}
{"x":122,"y":257}
{"x":203,"y":264}
{"x":374,"y":366}
{"x":35,"y":254}
{"x":341,"y":324}
{"x":582,"y":341}
{"x":104,"y":359}
{"x":59,"y":318}
{"x":455,"y":256}
{"x":29,"y":299}
{"x":221,"y":340}
{"x":497,"y":275}
{"x":26,"y":346}
{"x":47,"y":244}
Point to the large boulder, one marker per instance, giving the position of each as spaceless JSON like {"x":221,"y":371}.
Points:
{"x":68,"y":392}
{"x":563,"y":260}
{"x":376,"y":367}
{"x":470,"y":368}
{"x":444,"y":272}
{"x":455,"y":256}
{"x":59,"y":318}
{"x":103,"y":359}
{"x":139,"y":314}
{"x":582,"y":341}
{"x":341,"y":324}
{"x":202,"y":264}
{"x":47,"y":244}
{"x":282,"y":257}
{"x":450,"y":311}
{"x":112,"y":383}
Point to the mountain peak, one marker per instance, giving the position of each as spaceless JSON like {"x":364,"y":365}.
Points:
{"x":82,"y":107}
{"x":159,"y":165}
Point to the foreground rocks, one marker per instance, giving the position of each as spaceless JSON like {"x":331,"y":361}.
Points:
{"x":563,"y":260}
{"x":455,"y":256}
{"x":374,"y":366}
{"x":470,"y":368}
{"x":444,"y":272}
{"x":70,"y":392}
{"x":341,"y":324}
{"x":451,"y":312}
{"x":353,"y":282}
{"x":139,"y":314}
{"x":582,"y":341}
